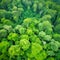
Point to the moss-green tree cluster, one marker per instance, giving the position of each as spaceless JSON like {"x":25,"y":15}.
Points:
{"x":29,"y":30}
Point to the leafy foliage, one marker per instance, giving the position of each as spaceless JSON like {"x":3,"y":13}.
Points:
{"x":29,"y":30}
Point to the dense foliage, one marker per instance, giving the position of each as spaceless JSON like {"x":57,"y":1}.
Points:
{"x":29,"y":30}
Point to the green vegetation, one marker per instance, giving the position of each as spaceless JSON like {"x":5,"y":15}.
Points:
{"x":29,"y":29}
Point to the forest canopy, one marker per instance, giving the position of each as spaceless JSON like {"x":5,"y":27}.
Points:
{"x":29,"y":29}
